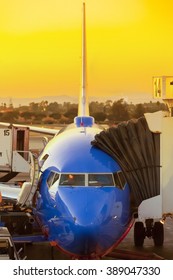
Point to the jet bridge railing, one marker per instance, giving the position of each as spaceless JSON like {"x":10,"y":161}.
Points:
{"x":22,"y":161}
{"x":26,"y":162}
{"x":28,"y":189}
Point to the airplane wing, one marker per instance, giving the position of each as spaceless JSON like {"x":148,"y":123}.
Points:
{"x":10,"y":192}
{"x":44,"y":130}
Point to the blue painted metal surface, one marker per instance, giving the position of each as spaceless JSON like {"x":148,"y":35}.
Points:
{"x":84,"y":121}
{"x":72,"y":151}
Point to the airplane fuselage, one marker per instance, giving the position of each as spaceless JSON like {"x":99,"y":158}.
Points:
{"x":87,"y":217}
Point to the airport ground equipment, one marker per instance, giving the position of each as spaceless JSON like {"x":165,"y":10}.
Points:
{"x":144,"y":150}
{"x":163,"y":90}
{"x":16,"y":159}
{"x":14,"y":150}
{"x":137,"y":150}
{"x":161,"y":206}
{"x":7,"y":248}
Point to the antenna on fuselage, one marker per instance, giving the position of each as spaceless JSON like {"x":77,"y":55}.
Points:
{"x":83,"y":109}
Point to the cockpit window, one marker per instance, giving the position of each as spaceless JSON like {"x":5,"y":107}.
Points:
{"x":72,"y":180}
{"x":100,"y":180}
{"x":55,"y":178}
{"x":43,"y":159}
{"x":52,"y":178}
{"x":87,"y":179}
{"x":119,"y":179}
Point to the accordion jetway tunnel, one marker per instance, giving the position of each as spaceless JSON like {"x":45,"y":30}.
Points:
{"x":137,"y":151}
{"x":144,"y":151}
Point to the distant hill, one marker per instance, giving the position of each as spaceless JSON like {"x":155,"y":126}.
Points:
{"x":65,"y":98}
{"x":26,"y":101}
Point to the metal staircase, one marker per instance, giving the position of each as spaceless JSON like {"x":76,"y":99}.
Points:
{"x":29,"y":188}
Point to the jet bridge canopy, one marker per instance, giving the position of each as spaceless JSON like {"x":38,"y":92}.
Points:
{"x":14,"y":147}
{"x":137,"y":150}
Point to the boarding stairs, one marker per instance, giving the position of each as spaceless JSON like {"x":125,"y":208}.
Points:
{"x":28,"y":189}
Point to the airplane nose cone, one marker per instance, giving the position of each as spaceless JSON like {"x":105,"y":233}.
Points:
{"x":90,"y":220}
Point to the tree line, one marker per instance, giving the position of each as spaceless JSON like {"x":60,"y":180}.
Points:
{"x":56,"y":113}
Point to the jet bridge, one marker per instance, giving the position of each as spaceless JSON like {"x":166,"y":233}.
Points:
{"x":143,"y":148}
{"x":161,"y":206}
{"x":14,"y":149}
{"x":15,"y":158}
{"x":137,"y":150}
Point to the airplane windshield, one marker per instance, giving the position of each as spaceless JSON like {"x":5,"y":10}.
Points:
{"x":72,"y":180}
{"x":87,"y":179}
{"x":53,"y":177}
{"x":100,"y":180}
{"x":120,"y":180}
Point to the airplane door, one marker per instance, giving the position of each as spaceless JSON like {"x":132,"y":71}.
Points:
{"x":21,"y":141}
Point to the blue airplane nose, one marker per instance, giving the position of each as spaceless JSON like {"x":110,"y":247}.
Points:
{"x":89,"y":220}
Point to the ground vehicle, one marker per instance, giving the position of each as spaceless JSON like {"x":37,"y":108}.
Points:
{"x":7,"y":248}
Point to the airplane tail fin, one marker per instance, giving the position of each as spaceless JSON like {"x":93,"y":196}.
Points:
{"x":83,"y":118}
{"x":83,"y":109}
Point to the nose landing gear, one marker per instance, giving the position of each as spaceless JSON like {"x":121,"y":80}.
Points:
{"x":158,"y":234}
{"x":139,"y":234}
{"x":154,"y":230}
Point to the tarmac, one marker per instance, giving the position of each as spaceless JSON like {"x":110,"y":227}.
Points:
{"x":126,"y":249}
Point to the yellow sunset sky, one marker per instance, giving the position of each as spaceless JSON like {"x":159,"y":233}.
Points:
{"x":128,"y":42}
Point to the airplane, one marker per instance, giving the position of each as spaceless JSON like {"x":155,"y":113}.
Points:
{"x":82,"y":202}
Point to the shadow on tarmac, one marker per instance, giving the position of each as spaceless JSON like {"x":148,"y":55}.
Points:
{"x":126,"y":249}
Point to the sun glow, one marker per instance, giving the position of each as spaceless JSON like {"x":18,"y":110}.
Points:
{"x":128,"y":42}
